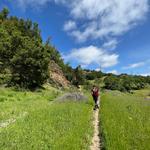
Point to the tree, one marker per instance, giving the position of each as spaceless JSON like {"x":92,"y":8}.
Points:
{"x":79,"y":77}
{"x":30,"y":64}
{"x":5,"y":48}
{"x":4,"y":14}
{"x":22,"y":52}
{"x":94,"y":75}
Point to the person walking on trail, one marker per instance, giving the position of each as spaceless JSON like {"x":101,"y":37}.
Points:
{"x":95,"y":95}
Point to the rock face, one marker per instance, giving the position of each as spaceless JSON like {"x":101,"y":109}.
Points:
{"x":56,"y":75}
{"x":76,"y":96}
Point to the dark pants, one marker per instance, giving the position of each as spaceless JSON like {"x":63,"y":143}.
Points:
{"x":95,"y":98}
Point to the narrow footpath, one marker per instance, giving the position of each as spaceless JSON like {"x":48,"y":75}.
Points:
{"x":96,"y":139}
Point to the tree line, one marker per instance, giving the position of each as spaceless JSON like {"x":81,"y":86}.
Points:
{"x":126,"y":83}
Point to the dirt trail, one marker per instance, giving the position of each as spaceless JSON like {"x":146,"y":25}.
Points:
{"x":96,"y":139}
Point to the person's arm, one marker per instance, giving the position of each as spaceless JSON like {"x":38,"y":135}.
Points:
{"x":92,"y":92}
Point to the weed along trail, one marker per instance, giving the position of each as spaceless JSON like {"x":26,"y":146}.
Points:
{"x":96,"y":139}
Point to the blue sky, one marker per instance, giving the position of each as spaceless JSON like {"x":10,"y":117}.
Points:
{"x":112,"y":35}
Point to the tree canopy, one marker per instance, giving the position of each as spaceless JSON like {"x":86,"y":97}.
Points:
{"x":22,"y":52}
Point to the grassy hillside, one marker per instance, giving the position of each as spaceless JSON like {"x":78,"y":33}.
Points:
{"x":38,"y":122}
{"x":125,"y":120}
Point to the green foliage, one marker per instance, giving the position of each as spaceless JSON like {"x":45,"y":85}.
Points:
{"x":54,"y":53}
{"x":111,"y":82}
{"x":5,"y":76}
{"x":30,"y":64}
{"x":68,"y":72}
{"x":75,"y":76}
{"x":125,"y":82}
{"x":79,"y":77}
{"x":4,"y":14}
{"x":22,"y":52}
{"x":92,"y":75}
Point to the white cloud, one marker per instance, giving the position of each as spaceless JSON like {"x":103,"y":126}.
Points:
{"x":97,"y":69}
{"x":135,"y":65}
{"x":111,"y":44}
{"x":113,"y":72}
{"x":145,"y":74}
{"x":106,"y":18}
{"x":100,"y":18}
{"x":92,"y":55}
{"x":69,"y":25}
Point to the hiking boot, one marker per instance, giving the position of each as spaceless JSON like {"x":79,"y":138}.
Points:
{"x":94,"y":108}
{"x":97,"y":106}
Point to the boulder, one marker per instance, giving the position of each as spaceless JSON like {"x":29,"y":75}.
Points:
{"x":76,"y":96}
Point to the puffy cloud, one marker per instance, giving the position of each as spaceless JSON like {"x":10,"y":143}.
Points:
{"x":100,"y":18}
{"x":106,"y":18}
{"x":69,"y":25}
{"x":92,"y":55}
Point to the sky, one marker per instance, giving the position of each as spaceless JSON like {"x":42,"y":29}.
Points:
{"x":108,"y":35}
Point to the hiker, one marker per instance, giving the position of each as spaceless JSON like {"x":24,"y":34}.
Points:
{"x":95,"y":94}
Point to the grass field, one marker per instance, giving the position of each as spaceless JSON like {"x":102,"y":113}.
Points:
{"x":125,"y":120}
{"x":38,"y":122}
{"x":34,"y":120}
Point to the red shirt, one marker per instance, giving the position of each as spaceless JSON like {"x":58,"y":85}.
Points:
{"x":95,"y":92}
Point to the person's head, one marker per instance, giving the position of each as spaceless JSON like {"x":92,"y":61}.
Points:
{"x":94,"y":86}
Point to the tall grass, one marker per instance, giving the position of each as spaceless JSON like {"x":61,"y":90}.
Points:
{"x":47,"y":125}
{"x":125,"y":121}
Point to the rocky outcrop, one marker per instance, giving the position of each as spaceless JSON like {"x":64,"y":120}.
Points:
{"x":56,"y":75}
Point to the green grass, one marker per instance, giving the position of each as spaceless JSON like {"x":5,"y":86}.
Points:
{"x":47,"y":124}
{"x":12,"y":102}
{"x":142,"y":93}
{"x":125,"y":121}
